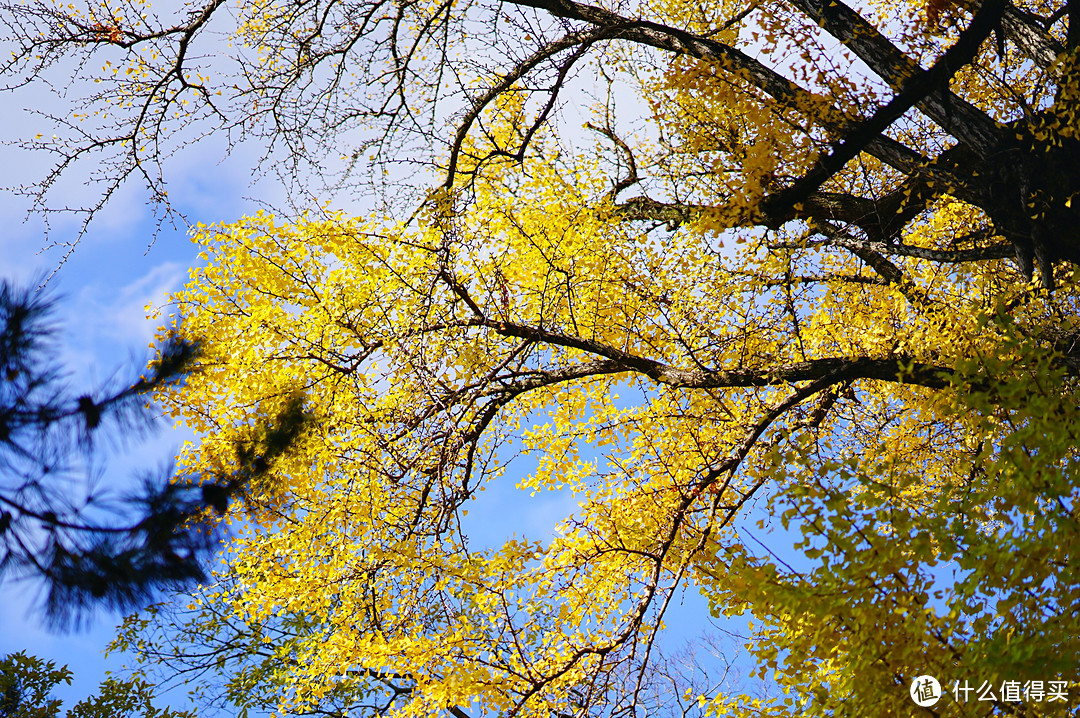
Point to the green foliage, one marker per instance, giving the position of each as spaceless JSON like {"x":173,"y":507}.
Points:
{"x":26,"y":683}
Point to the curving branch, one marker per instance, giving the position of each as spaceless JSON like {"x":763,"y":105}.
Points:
{"x":681,"y":42}
{"x":898,"y":368}
{"x":581,"y":40}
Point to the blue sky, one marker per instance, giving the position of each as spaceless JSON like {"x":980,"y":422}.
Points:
{"x":102,"y":291}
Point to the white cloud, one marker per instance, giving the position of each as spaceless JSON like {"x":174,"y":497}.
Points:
{"x":120,"y":314}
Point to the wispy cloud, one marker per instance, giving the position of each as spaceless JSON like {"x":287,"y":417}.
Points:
{"x":119,"y":314}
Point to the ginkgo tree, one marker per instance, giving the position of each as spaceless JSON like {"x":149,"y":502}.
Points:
{"x":805,"y":261}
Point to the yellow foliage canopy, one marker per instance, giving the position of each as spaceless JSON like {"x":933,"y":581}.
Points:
{"x":851,"y":303}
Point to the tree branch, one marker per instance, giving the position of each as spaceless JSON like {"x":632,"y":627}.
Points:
{"x":916,"y":91}
{"x":926,"y":90}
{"x":1002,"y":250}
{"x":899,"y":368}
